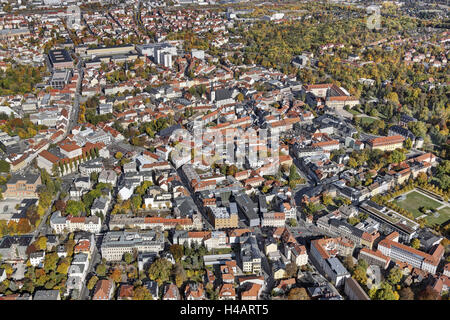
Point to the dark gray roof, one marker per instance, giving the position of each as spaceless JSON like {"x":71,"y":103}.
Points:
{"x":46,"y":295}
{"x":167,"y":132}
{"x":247,"y":206}
{"x":58,"y":56}
{"x":343,"y":224}
{"x":403,"y":132}
{"x":186,"y":205}
{"x":152,"y":286}
{"x":22,"y":241}
{"x":223,"y":94}
{"x":406,"y":118}
{"x":30,"y":178}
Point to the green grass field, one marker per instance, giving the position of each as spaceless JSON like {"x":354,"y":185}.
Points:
{"x":367,"y":121}
{"x":354,"y":112}
{"x":414,"y":200}
{"x":444,"y":215}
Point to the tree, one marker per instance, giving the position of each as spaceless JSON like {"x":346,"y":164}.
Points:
{"x":353,"y":221}
{"x":406,"y":294}
{"x":408,"y":143}
{"x":327,"y":199}
{"x":28,"y":286}
{"x":385,"y":292}
{"x":291,"y":269}
{"x":160,"y":270}
{"x":23,"y":226}
{"x":231,"y":171}
{"x":70,"y":245}
{"x":4,"y":166}
{"x":265,"y":189}
{"x":348,"y":262}
{"x":393,"y":97}
{"x":92,"y":282}
{"x":397,"y":156}
{"x":142,"y":293}
{"x":74,"y":208}
{"x":177,"y":251}
{"x":311,"y":208}
{"x":60,"y":205}
{"x":418,"y":128}
{"x":292,"y":222}
{"x":55,"y":170}
{"x":101,"y":270}
{"x":352,"y":162}
{"x":41,"y":243}
{"x":359,"y":274}
{"x":373,"y":293}
{"x":422,"y":178}
{"x":63,"y":267}
{"x":128,"y":257}
{"x":116,"y":275}
{"x":50,"y":261}
{"x":415,"y":243}
{"x":118,"y":155}
{"x":293,"y":174}
{"x":429,"y":294}
{"x":298,"y":294}
{"x":395,"y":276}
{"x":8,"y":269}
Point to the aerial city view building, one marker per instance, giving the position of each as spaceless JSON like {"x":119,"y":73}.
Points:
{"x":224,"y":150}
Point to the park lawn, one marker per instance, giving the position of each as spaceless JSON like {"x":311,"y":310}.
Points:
{"x":414,"y":200}
{"x":444,"y":215}
{"x":354,"y":112}
{"x":367,"y":121}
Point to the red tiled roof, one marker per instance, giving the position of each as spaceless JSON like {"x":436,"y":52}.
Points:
{"x":382,"y":141}
{"x":70,"y":147}
{"x":49,"y":156}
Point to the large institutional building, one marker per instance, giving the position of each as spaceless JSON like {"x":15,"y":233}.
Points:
{"x":416,"y":258}
{"x":117,"y":243}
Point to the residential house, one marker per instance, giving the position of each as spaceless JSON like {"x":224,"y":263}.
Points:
{"x":104,"y":290}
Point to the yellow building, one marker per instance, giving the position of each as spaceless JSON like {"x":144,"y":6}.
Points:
{"x":279,"y":274}
{"x":387,"y":143}
{"x":221,"y":218}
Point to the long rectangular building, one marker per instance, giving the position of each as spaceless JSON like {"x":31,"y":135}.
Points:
{"x":429,"y":262}
{"x":390,"y":221}
{"x":386,"y":143}
{"x":374,"y":257}
{"x":117,"y":243}
{"x":248,"y":208}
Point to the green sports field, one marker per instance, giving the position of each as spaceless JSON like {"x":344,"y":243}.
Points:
{"x":414,"y":200}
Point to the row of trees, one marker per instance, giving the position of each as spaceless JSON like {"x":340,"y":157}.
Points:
{"x":65,"y":167}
